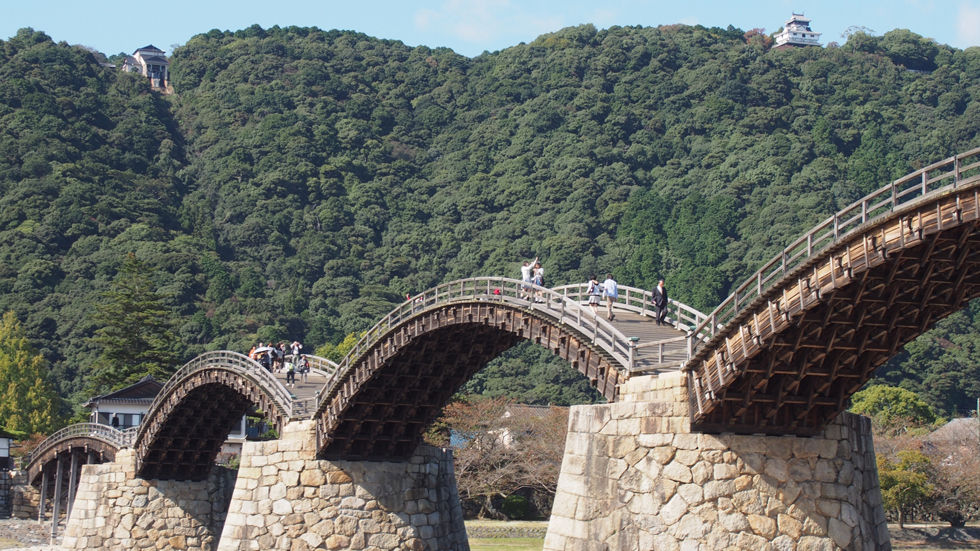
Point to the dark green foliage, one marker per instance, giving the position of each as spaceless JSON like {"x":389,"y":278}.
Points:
{"x":530,"y":374}
{"x":135,"y":334}
{"x":300,"y":182}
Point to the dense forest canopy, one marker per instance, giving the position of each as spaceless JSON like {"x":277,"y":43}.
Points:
{"x":300,"y":182}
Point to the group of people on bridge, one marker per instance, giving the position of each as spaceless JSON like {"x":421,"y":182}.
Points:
{"x":533,"y":273}
{"x":272,"y":357}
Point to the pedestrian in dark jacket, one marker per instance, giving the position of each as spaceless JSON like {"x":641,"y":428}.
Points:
{"x":660,"y":302}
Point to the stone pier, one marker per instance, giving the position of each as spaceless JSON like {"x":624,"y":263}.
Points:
{"x":115,"y":510}
{"x":635,"y":477}
{"x":285,"y":498}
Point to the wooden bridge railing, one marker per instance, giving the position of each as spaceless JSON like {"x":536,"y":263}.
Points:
{"x":106,"y":433}
{"x":498,"y":289}
{"x":634,"y":299}
{"x":937,"y":177}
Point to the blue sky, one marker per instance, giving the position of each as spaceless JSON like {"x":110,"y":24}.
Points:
{"x":469,"y":27}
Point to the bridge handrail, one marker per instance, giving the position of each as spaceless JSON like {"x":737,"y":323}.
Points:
{"x":635,"y":299}
{"x":837,"y":228}
{"x":324,"y":366}
{"x":232,"y":361}
{"x":106,"y":433}
{"x":498,"y":289}
{"x":129,"y":435}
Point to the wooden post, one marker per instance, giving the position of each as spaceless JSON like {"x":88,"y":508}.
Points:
{"x":56,"y":502}
{"x":633,"y":341}
{"x":72,"y":482}
{"x":44,"y":493}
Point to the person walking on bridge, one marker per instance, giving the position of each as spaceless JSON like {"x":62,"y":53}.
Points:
{"x":595,"y":292}
{"x":660,"y":302}
{"x":611,"y":290}
{"x":527,"y":277}
{"x":539,"y":281}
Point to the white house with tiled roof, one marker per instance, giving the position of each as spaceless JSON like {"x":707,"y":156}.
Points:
{"x":125,"y":407}
{"x":150,"y":62}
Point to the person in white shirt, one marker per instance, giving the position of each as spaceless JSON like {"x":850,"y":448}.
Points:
{"x":595,"y":292}
{"x":527,"y":276}
{"x":611,"y":290}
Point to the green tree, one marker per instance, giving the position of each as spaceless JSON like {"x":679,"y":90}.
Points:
{"x":894,"y":409}
{"x":135,"y":330}
{"x":905,"y":483}
{"x":336,"y":352}
{"x":28,"y":401}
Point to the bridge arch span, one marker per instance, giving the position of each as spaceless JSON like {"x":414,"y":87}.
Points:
{"x":784,"y":353}
{"x":99,"y":443}
{"x":192,"y":415}
{"x":407,"y":367}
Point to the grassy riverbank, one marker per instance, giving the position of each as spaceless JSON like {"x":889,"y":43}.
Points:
{"x":921,"y":537}
{"x":506,"y":544}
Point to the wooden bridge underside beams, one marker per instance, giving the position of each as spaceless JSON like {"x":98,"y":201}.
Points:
{"x":183,"y":437}
{"x":93,"y":450}
{"x":790,"y":363}
{"x":401,"y":385}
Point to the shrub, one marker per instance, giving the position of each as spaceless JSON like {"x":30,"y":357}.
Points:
{"x":515,"y":507}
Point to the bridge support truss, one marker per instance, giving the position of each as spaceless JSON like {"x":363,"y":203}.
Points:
{"x":792,"y":357}
{"x":382,"y":405}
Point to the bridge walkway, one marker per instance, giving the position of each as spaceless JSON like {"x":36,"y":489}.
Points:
{"x":659,"y":347}
{"x":303,"y":390}
{"x":654,"y":347}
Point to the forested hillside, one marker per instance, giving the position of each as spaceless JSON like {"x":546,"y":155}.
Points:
{"x":300,"y":182}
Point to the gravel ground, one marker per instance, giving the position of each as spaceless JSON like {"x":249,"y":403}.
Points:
{"x":29,"y":535}
{"x":16,"y":534}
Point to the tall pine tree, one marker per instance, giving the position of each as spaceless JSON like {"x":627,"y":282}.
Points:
{"x":28,"y":401}
{"x":135,"y":331}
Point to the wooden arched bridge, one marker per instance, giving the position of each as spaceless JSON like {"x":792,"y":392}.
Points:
{"x":782,"y":355}
{"x":405,"y":369}
{"x":378,"y":400}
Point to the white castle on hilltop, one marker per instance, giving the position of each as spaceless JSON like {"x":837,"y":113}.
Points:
{"x":797,"y":32}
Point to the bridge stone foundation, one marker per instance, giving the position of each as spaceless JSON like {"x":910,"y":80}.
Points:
{"x":634,"y":477}
{"x":285,"y":498}
{"x":114,"y":510}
